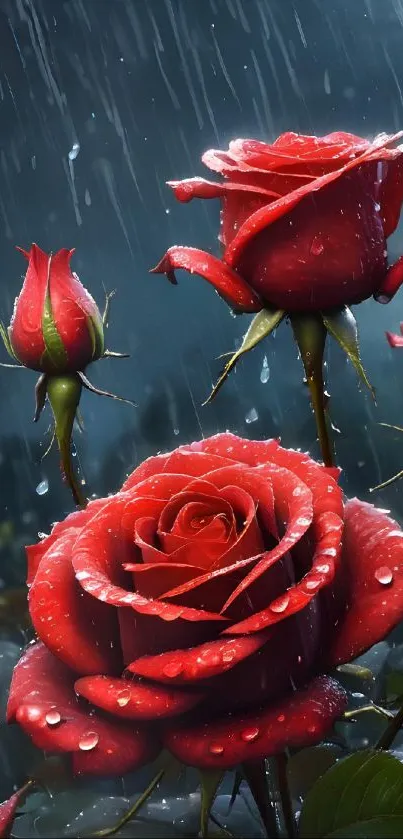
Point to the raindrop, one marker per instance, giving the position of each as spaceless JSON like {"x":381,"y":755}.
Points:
{"x":42,"y":487}
{"x":250,"y":734}
{"x":326,"y":82}
{"x":176,"y":431}
{"x":173,"y":669}
{"x":216,"y":748}
{"x":281,"y":718}
{"x":251,"y":416}
{"x":53,"y":718}
{"x":87,"y":198}
{"x":265,"y":371}
{"x":317,"y":246}
{"x":74,"y":151}
{"x":123,"y":698}
{"x":280,"y":605}
{"x":88,"y":741}
{"x":384,"y":575}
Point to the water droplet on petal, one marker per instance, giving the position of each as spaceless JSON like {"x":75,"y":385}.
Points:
{"x":88,"y":741}
{"x":216,"y":748}
{"x":173,"y":669}
{"x":53,"y":718}
{"x":317,"y":246}
{"x":384,"y":575}
{"x":311,"y":585}
{"x":281,"y":718}
{"x":281,"y":604}
{"x":249,"y":734}
{"x":123,"y":698}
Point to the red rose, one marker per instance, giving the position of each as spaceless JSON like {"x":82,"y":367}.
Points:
{"x":56,"y":326}
{"x":304,"y":221}
{"x":200,"y":607}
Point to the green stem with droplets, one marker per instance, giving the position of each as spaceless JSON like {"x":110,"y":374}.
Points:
{"x":310,"y":335}
{"x":64,"y":396}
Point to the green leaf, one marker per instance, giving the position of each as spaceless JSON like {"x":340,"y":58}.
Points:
{"x":342,"y":325}
{"x":262,"y":325}
{"x":210,"y":781}
{"x":386,"y":827}
{"x":55,"y":349}
{"x":361,"y":788}
{"x":96,"y":332}
{"x":307,"y":765}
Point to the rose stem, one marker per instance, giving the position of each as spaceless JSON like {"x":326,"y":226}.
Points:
{"x":310,"y":335}
{"x":110,"y":831}
{"x":388,"y":736}
{"x":64,"y":395}
{"x":286,"y":803}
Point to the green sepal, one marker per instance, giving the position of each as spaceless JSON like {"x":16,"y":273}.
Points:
{"x":310,"y":335}
{"x":262,"y":325}
{"x":342,"y":325}
{"x":210,"y":780}
{"x":55,"y":350}
{"x":5,"y":335}
{"x":96,"y":332}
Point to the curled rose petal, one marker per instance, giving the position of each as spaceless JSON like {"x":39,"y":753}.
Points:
{"x":42,"y":700}
{"x":227,"y":282}
{"x":135,"y":700}
{"x":203,"y":662}
{"x":67,"y":619}
{"x":373,"y":561}
{"x":300,"y":719}
{"x":75,"y":521}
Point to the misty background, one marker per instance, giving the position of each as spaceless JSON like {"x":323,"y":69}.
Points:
{"x":102,"y":102}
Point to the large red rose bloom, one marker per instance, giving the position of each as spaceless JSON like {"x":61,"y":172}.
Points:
{"x":200,"y":608}
{"x":304,"y":221}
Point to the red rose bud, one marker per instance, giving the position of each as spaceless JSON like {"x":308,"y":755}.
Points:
{"x":57,"y":328}
{"x":56,"y":325}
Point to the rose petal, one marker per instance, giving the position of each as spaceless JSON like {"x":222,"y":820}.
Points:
{"x":373,"y":557}
{"x":391,"y":283}
{"x":300,"y":719}
{"x":227,"y":282}
{"x":98,"y":562}
{"x":26,"y":323}
{"x":177,"y":462}
{"x":149,"y":635}
{"x":135,"y":700}
{"x":293,"y":501}
{"x":67,"y":619}
{"x":155,"y":579}
{"x":43,"y":702}
{"x":267,"y":215}
{"x":191,"y":188}
{"x":214,"y":587}
{"x":198,"y":663}
{"x":394,"y":340}
{"x":391,"y":195}
{"x":74,"y":521}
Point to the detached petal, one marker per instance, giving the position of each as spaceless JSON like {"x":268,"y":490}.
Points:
{"x":42,"y":700}
{"x":395,"y":340}
{"x":227,"y":282}
{"x":373,"y":563}
{"x":302,"y":718}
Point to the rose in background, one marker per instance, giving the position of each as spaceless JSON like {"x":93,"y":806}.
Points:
{"x":57,"y":329}
{"x":200,"y":608}
{"x":304,"y":229}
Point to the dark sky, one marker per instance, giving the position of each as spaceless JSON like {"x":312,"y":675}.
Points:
{"x":144,"y":87}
